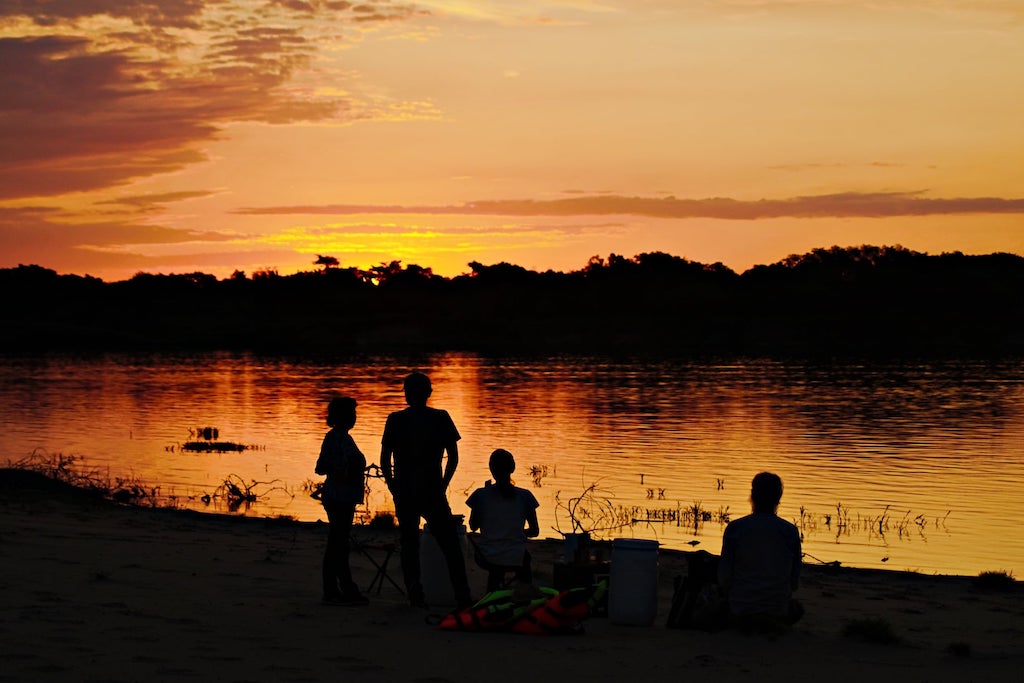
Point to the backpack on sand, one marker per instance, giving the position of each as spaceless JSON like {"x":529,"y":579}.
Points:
{"x":697,"y":602}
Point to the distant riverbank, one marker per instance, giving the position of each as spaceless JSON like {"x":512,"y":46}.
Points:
{"x":860,"y":302}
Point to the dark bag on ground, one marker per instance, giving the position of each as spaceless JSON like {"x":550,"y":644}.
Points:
{"x":697,"y":602}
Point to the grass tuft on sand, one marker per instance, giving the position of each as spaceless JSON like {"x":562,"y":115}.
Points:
{"x":871,"y":630}
{"x":997,"y":580}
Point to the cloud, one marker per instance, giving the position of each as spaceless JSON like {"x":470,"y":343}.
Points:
{"x":837,"y":165}
{"x":115,"y":249}
{"x":147,"y":203}
{"x":166,"y":13}
{"x":848,"y":204}
{"x":382,"y":12}
{"x":97,"y":93}
{"x":127,"y":263}
{"x":43,"y":226}
{"x":74,"y":121}
{"x":529,"y":12}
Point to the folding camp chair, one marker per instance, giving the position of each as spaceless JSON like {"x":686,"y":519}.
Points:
{"x":367,"y":550}
{"x":373,"y":471}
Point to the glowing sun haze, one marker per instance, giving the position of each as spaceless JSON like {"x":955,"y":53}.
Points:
{"x":223,"y":135}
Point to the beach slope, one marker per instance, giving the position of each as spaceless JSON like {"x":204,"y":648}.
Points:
{"x":94,"y":591}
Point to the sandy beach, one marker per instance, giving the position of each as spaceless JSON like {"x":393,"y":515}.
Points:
{"x":94,"y":591}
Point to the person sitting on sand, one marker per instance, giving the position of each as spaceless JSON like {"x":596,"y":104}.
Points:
{"x":345,"y":467}
{"x":500,"y":512}
{"x":760,"y":564}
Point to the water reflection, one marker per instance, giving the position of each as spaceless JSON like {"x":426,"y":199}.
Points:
{"x":916,"y":463}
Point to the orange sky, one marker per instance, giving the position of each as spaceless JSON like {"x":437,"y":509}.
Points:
{"x":220,"y":135}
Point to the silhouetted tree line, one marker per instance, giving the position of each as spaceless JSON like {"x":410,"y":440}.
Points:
{"x":861,"y":301}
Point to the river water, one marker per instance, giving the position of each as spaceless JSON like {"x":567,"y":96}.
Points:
{"x":908,"y":466}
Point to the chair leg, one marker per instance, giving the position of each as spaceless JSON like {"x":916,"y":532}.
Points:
{"x":382,"y":566}
{"x":382,"y":573}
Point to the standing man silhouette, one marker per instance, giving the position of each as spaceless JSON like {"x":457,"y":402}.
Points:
{"x":413,"y":445}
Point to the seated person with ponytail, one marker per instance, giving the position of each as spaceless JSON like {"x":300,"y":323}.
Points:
{"x":501,"y":511}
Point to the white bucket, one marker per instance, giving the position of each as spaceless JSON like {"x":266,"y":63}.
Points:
{"x":437,"y":584}
{"x":633,"y":589}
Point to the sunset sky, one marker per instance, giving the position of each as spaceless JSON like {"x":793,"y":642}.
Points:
{"x":216,"y":135}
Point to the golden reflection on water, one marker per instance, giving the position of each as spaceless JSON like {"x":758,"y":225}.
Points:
{"x":899,"y":466}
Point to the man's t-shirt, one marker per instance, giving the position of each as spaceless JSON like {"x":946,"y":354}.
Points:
{"x":760,"y":564}
{"x":418,"y":438}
